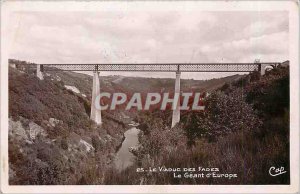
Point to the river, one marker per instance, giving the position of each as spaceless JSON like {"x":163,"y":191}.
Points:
{"x":124,"y":158}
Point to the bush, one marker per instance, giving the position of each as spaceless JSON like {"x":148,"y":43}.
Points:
{"x":223,"y":114}
{"x":64,"y":144}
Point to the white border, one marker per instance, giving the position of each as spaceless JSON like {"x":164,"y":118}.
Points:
{"x":290,"y":6}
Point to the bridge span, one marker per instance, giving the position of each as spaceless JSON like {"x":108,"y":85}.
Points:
{"x":177,"y":68}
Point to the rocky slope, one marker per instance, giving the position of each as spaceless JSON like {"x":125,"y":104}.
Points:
{"x":51,"y":138}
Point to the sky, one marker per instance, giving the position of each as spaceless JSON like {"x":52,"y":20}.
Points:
{"x":150,"y":37}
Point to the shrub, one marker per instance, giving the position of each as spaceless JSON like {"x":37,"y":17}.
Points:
{"x":64,"y":144}
{"x":223,"y":114}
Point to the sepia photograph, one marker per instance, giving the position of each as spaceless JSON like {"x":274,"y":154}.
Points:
{"x":149,"y":96}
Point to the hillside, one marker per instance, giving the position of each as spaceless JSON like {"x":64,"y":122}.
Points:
{"x":51,"y":138}
{"x":244,"y":130}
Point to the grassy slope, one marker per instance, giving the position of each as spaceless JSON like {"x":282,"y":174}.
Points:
{"x":58,"y":158}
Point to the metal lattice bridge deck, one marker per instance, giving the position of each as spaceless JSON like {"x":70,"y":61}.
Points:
{"x":159,"y":67}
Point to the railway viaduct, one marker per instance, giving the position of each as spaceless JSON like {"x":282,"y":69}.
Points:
{"x":177,"y":68}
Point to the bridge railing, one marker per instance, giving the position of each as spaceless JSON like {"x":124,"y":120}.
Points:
{"x":159,"y":67}
{"x":182,"y":67}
